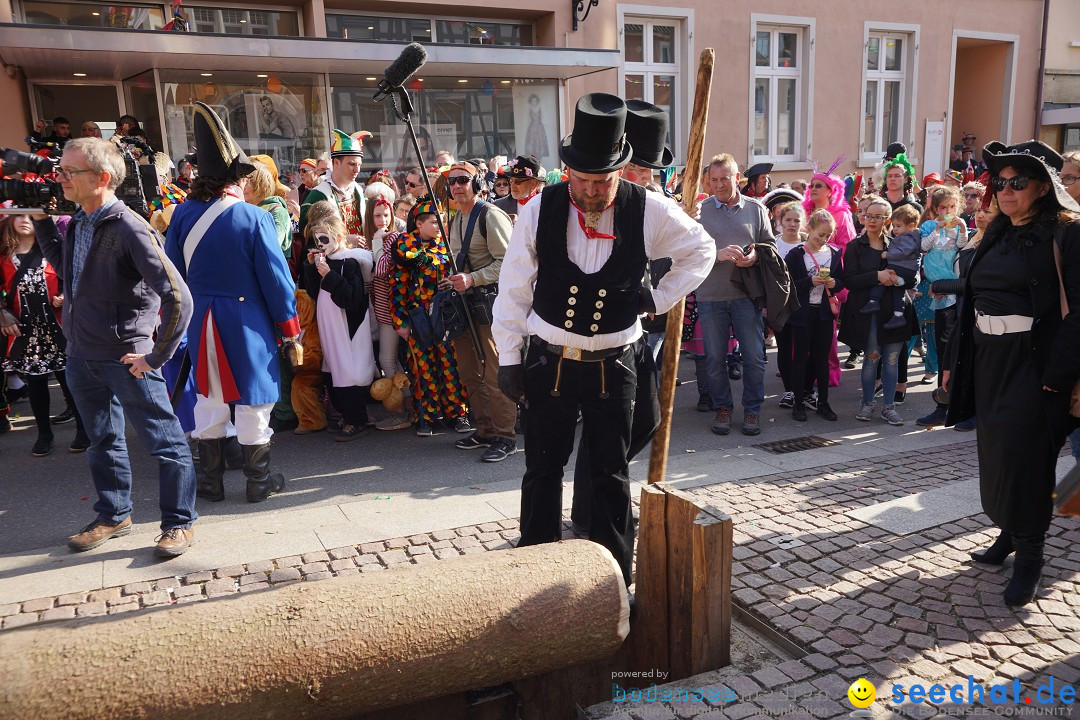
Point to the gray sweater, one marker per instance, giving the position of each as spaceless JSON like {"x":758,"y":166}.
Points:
{"x":748,"y":222}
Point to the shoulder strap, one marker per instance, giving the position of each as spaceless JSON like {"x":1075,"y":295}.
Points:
{"x":1059,"y":239}
{"x":195,"y":235}
{"x":466,"y":239}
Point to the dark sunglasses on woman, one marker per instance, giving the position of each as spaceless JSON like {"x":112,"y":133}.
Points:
{"x":1016,"y":182}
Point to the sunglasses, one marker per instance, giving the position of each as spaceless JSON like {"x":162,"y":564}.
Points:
{"x":1016,"y":182}
{"x":818,"y":186}
{"x":459,"y":179}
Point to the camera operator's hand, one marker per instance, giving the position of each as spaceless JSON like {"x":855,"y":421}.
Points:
{"x":138,"y":364}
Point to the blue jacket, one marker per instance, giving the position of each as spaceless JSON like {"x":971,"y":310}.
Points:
{"x":240,"y":276}
{"x":128,"y":290}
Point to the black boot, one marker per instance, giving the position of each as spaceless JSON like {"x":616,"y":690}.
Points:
{"x":1024,"y":583}
{"x":210,"y":485}
{"x":260,"y":483}
{"x":234,"y":456}
{"x":996,"y":553}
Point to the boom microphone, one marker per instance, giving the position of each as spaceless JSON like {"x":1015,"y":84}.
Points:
{"x":411,"y":59}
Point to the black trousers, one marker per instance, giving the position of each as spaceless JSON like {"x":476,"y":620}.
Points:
{"x":643,"y":426}
{"x":810,"y":355}
{"x":604,"y":392}
{"x":351,"y":402}
{"x":38,"y":394}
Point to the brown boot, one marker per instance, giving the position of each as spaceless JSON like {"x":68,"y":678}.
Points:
{"x":97,"y":533}
{"x":174,"y":541}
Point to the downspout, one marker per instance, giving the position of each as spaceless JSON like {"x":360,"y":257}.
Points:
{"x":1042,"y":70}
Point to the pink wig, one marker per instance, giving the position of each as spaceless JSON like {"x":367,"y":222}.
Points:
{"x":838,"y":207}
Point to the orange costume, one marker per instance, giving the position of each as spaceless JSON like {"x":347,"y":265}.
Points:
{"x":307,"y":381}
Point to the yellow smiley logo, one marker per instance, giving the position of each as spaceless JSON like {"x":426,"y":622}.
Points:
{"x":862,"y":693}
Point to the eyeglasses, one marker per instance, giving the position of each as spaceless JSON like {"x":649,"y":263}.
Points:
{"x":66,"y":173}
{"x":1068,"y":180}
{"x":877,"y":218}
{"x":459,"y":179}
{"x":818,"y":186}
{"x":1016,"y":182}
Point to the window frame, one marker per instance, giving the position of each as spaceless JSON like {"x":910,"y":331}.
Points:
{"x":909,"y":88}
{"x":806,"y":27}
{"x":683,"y":21}
{"x":243,"y":7}
{"x":443,"y":18}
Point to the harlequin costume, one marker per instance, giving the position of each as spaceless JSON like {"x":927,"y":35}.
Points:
{"x":349,"y":200}
{"x":243,"y":297}
{"x":419,"y":265}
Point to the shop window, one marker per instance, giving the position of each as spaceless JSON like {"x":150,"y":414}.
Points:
{"x":242,"y":21}
{"x":406,"y":29}
{"x":470,"y":117}
{"x":281,"y":115}
{"x":887,"y":90}
{"x":478,"y":32}
{"x":652,"y":70}
{"x":778,"y":103}
{"x":131,"y":17}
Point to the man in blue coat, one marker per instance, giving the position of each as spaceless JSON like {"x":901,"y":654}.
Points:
{"x":243,"y":293}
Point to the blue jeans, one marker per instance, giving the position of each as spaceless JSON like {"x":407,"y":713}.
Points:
{"x":890,"y":368}
{"x":1074,"y":440}
{"x":717,"y":319}
{"x":105,"y":391}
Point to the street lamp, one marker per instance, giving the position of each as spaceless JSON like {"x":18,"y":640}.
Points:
{"x":579,"y":6}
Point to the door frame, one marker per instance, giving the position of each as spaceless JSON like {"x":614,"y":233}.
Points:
{"x":35,"y":108}
{"x":1011,"y":54}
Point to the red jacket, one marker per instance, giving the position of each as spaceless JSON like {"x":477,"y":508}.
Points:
{"x":7,"y":279}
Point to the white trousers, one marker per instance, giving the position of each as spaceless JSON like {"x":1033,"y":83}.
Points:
{"x":212,"y":415}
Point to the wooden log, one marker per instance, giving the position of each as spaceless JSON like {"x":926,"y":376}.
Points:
{"x":649,"y":633}
{"x":669,"y":365}
{"x":331,"y":649}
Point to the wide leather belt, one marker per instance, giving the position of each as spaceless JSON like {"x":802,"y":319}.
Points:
{"x":572,"y":353}
{"x":1002,"y":324}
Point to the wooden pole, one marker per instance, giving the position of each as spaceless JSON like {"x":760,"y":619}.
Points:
{"x":669,"y":365}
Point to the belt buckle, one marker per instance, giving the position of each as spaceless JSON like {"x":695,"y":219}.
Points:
{"x":571,"y":353}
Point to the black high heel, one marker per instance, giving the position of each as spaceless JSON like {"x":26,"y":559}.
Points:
{"x":996,"y":553}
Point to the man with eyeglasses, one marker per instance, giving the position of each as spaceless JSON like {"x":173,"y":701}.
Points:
{"x":526,"y":180}
{"x":478,"y":236}
{"x":309,"y":180}
{"x":125,"y":311}
{"x":414,"y":182}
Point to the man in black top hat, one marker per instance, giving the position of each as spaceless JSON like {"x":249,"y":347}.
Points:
{"x":647,"y":131}
{"x":526,"y":179}
{"x":573,"y":275}
{"x":758,"y":182}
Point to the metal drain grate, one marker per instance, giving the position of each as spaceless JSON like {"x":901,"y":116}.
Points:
{"x":810,"y":442}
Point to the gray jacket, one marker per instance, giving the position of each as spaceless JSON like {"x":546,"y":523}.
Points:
{"x":125,"y":282}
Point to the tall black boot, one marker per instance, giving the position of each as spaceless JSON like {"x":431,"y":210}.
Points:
{"x":260,"y":483}
{"x":210,"y":484}
{"x":234,"y":456}
{"x":1027,"y":569}
{"x":996,"y":553}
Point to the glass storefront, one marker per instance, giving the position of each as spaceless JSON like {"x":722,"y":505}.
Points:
{"x":142,"y":102}
{"x":278,"y":114}
{"x":470,"y":117}
{"x":406,"y":29}
{"x":242,"y":21}
{"x":138,"y":17}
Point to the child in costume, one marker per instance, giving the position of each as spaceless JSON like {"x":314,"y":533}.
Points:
{"x":307,"y":382}
{"x":943,"y":235}
{"x":421,"y":260}
{"x":902,"y":257}
{"x":337,"y":276}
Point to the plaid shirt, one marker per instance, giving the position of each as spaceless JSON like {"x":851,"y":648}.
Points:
{"x":84,"y":237}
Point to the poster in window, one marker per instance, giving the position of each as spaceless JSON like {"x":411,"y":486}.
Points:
{"x":275,"y":122}
{"x":433,"y":137}
{"x":536,"y":123}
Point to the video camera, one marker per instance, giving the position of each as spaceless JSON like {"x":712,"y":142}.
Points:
{"x":141,"y":185}
{"x":45,"y":193}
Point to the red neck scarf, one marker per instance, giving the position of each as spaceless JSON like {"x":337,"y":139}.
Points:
{"x":590,"y":233}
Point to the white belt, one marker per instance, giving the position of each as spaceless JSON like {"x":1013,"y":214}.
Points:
{"x":1002,"y":324}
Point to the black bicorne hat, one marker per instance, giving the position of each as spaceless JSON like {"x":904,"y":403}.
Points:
{"x":598,"y":143}
{"x":1035,"y":159}
{"x":755,"y":170}
{"x":646,"y":131}
{"x":218,"y":154}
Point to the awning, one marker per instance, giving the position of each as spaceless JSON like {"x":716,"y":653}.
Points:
{"x":56,"y":53}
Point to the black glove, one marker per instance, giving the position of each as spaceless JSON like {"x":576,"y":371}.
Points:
{"x":512,"y":382}
{"x":646,"y":304}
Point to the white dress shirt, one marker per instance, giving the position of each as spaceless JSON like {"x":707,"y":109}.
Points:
{"x":669,"y":232}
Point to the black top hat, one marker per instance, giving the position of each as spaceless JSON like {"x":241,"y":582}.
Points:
{"x":1035,"y":159}
{"x":895,"y":149}
{"x":525,"y":168}
{"x":218,"y":154}
{"x":598,"y":143}
{"x":647,"y":130}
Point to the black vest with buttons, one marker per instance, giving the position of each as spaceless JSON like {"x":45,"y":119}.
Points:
{"x":590,"y":304}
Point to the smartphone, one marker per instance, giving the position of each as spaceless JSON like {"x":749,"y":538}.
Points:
{"x":748,"y":249}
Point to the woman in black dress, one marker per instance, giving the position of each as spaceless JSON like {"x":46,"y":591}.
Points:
{"x":34,"y":344}
{"x":1017,"y":358}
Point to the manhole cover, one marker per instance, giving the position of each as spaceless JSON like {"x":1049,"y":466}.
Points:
{"x":810,"y":442}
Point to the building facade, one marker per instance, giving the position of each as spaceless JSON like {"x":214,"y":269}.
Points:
{"x":795,"y":85}
{"x":1060,"y":121}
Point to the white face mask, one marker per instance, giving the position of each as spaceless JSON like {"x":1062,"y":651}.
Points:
{"x":325,"y":242}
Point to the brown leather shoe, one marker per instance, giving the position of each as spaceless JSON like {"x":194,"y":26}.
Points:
{"x":174,"y":541}
{"x":97,"y":533}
